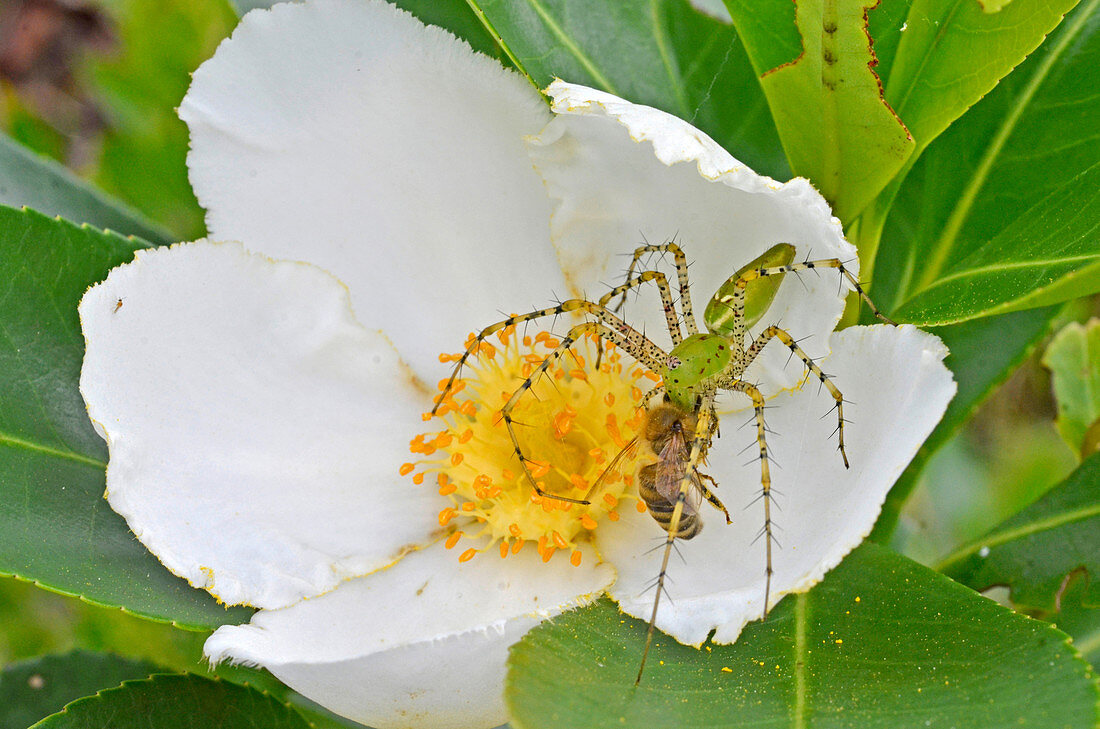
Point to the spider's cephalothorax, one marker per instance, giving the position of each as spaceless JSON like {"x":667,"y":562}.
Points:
{"x":680,"y":427}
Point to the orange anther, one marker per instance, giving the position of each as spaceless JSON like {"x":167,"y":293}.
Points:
{"x":579,"y":359}
{"x":406,"y":469}
{"x":628,"y":479}
{"x":653,"y":376}
{"x":517,"y":545}
{"x":542,"y":336}
{"x":640,"y":506}
{"x":446,"y":515}
{"x":636,"y":393}
{"x":466,"y":435}
{"x":558,"y":374}
{"x":452,"y":540}
{"x":552,"y":342}
{"x":447,"y":488}
{"x":563,"y":424}
{"x":526,"y":370}
{"x":507,"y":475}
{"x":610,"y":500}
{"x":588,"y":522}
{"x":578,"y":374}
{"x":503,"y":549}
{"x":613,"y":515}
{"x":575,"y":558}
{"x":468,"y":506}
{"x":467,"y":408}
{"x":425,"y":417}
{"x":534,"y":359}
{"x":527,"y":341}
{"x":637,"y":373}
{"x":488,"y":350}
{"x":542,"y":542}
{"x":547,"y":555}
{"x":458,"y":387}
{"x":442,"y":385}
{"x":444,"y":358}
{"x":467,"y":555}
{"x":456,"y":458}
{"x":514,"y":530}
{"x":541,"y":469}
{"x":609,"y":399}
{"x":560,"y":540}
{"x":418,"y":479}
{"x":548,"y":505}
{"x":577,"y":480}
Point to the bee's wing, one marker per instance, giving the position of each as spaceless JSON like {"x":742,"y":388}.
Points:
{"x":627,"y":450}
{"x":671,"y":466}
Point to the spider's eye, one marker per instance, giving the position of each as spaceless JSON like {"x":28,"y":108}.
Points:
{"x":673,"y":363}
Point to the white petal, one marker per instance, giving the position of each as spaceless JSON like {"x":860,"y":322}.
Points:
{"x":714,"y":8}
{"x":621,"y":172}
{"x":420,"y":644}
{"x":255,"y":429}
{"x":347,"y":134}
{"x":899,"y":389}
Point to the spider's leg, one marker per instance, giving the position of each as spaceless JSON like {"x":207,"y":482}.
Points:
{"x":698,"y":449}
{"x":648,"y":397}
{"x":775,"y":332}
{"x":681,"y":276}
{"x":672,"y":320}
{"x":810,"y":265}
{"x":575,"y":333}
{"x":765,"y":479}
{"x":643,"y":350}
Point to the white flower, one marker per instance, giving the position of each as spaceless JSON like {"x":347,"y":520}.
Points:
{"x":257,"y":425}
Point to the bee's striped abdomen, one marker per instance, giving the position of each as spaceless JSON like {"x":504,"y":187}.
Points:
{"x":661,"y":508}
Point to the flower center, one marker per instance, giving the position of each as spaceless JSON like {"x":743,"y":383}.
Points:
{"x":572,"y":426}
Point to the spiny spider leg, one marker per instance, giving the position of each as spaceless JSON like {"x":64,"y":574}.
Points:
{"x":671,"y":319}
{"x":736,"y":301}
{"x":699,"y":444}
{"x":775,"y":332}
{"x":634,"y":342}
{"x":600,"y":331}
{"x":681,"y":276}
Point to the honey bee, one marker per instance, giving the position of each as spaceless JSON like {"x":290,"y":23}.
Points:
{"x":668,"y":433}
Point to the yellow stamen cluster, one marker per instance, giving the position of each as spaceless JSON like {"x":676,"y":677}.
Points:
{"x":571,"y":425}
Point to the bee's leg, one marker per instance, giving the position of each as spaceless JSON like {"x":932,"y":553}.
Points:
{"x":765,"y":481}
{"x":774,"y":332}
{"x":698,"y":447}
{"x":640,"y":353}
{"x":709,"y":495}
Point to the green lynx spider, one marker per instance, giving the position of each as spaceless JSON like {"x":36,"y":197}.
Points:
{"x":692,"y":373}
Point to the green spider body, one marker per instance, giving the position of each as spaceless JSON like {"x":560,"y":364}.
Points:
{"x":695,"y":364}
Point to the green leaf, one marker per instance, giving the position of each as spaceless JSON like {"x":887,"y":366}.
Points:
{"x":27,"y":179}
{"x":1073,"y":358}
{"x":55,"y":527}
{"x":953,"y":52}
{"x":1034,"y":551}
{"x":32,"y":690}
{"x":176,"y":702}
{"x":983,"y":352}
{"x":1081,"y":622}
{"x":1046,"y":256}
{"x":662,"y":53}
{"x":828,"y":106}
{"x":882,"y":642}
{"x":1013,"y":148}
